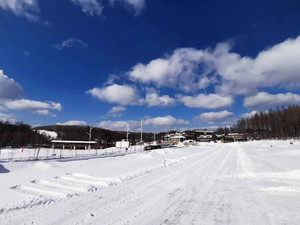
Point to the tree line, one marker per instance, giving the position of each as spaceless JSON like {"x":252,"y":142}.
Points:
{"x":19,"y":135}
{"x":103,"y":137}
{"x":281,"y":123}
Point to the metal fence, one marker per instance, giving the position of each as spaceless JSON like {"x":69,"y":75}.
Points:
{"x":28,"y":154}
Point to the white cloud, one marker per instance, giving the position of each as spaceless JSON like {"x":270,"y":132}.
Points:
{"x":266,"y":100}
{"x":153,"y":99}
{"x":190,"y":69}
{"x":7,"y":117}
{"x":120,"y":94}
{"x":41,"y":108}
{"x":248,"y":115}
{"x":213,"y":117}
{"x":134,"y":125}
{"x":166,"y":121}
{"x":111,"y":79}
{"x":177,"y":70}
{"x":71,"y":43}
{"x":204,"y":82}
{"x":45,"y":112}
{"x":25,"y":8}
{"x":137,"y":5}
{"x":280,"y":64}
{"x":9,"y":89}
{"x":74,"y":123}
{"x":116,"y":111}
{"x":90,"y":7}
{"x":120,"y":125}
{"x":210,"y":101}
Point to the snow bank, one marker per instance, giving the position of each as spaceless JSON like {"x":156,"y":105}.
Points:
{"x":56,"y":180}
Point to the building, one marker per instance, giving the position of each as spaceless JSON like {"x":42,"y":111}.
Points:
{"x":205,"y":135}
{"x":237,"y":136}
{"x":174,"y":138}
{"x":66,"y":144}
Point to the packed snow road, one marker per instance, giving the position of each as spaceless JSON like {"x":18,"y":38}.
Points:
{"x":239,"y":183}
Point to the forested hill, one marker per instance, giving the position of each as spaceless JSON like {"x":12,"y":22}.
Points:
{"x":18,"y":135}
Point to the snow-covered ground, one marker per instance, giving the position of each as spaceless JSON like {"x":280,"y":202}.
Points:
{"x":213,"y":183}
{"x":20,"y":154}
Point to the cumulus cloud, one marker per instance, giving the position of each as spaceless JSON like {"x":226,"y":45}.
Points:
{"x":134,"y":125}
{"x":120,"y":94}
{"x":9,"y":89}
{"x":210,"y":101}
{"x":24,"y":8}
{"x":111,"y":79}
{"x":177,"y":70}
{"x":71,"y":43}
{"x":189,"y":69}
{"x":213,"y":117}
{"x":41,"y":108}
{"x":116,"y":111}
{"x":74,"y":123}
{"x":137,"y":5}
{"x":95,"y":7}
{"x":248,"y":115}
{"x":90,"y":7}
{"x":45,"y":112}
{"x":153,"y":99}
{"x":120,"y":125}
{"x":30,"y":8}
{"x":7,"y":117}
{"x":264,"y":100}
{"x":166,"y":121}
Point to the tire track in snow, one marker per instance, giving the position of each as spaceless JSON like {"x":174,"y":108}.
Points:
{"x":193,"y":205}
{"x":191,"y":192}
{"x":116,"y":199}
{"x":64,"y":187}
{"x":166,"y":183}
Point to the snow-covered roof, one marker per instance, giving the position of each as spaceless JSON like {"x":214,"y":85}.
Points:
{"x":234,"y":134}
{"x":73,"y":142}
{"x":179,"y":136}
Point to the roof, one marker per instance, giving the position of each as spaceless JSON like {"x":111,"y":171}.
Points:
{"x":234,"y":134}
{"x":177,"y":137}
{"x":73,"y":142}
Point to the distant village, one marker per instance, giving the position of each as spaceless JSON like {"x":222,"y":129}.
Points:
{"x":203,"y":136}
{"x":190,"y":138}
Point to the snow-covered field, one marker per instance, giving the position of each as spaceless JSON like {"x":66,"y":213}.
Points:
{"x":19,"y":154}
{"x":213,"y":183}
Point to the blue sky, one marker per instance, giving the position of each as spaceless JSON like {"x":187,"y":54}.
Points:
{"x":174,"y":64}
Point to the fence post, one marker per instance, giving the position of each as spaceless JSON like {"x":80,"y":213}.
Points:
{"x":37,"y":155}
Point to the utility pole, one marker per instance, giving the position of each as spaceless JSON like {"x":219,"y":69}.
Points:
{"x":90,"y":136}
{"x":141,"y":131}
{"x":127,"y":131}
